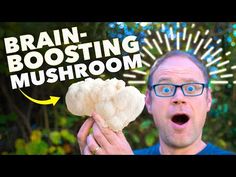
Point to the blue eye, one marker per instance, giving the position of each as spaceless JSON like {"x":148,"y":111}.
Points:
{"x":166,"y":90}
{"x":190,"y":88}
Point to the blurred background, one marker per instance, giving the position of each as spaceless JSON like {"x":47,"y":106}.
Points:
{"x":27,"y":128}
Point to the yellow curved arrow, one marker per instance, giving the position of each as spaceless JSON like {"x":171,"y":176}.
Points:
{"x":53,"y":99}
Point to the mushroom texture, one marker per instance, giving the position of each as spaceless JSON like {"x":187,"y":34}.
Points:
{"x":117,"y":104}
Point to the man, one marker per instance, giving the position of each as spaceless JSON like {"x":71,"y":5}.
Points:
{"x":178,"y":98}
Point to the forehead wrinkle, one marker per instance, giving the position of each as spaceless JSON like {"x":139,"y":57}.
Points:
{"x":175,"y":70}
{"x":179,"y":63}
{"x":174,"y":73}
{"x":185,"y":80}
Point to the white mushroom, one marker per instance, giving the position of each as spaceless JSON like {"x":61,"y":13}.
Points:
{"x":116,"y":103}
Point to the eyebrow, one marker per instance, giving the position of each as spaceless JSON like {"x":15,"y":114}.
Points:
{"x":169,"y":80}
{"x":164,"y":80}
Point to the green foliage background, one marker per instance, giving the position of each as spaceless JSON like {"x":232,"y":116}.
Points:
{"x":28,"y":128}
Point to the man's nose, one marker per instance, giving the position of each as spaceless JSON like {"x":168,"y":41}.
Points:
{"x":179,"y":97}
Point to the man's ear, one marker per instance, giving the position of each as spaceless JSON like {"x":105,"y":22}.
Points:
{"x":209,"y":99}
{"x":148,"y":101}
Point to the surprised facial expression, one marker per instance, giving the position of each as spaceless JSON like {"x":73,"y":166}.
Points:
{"x":179,"y":118}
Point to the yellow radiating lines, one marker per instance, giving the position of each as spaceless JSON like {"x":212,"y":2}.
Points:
{"x":142,"y":54}
{"x":218,"y":41}
{"x":208,"y":42}
{"x":227,"y":53}
{"x":148,"y":43}
{"x":213,"y":53}
{"x":213,"y":61}
{"x":142,"y":82}
{"x":148,"y":52}
{"x":218,"y":51}
{"x":184,"y":33}
{"x":233,"y":67}
{"x":163,"y":27}
{"x":223,"y":63}
{"x":146,"y":63}
{"x":188,"y":43}
{"x":207,"y":53}
{"x":149,"y":32}
{"x":159,"y":37}
{"x":157,"y":46}
{"x":178,"y":24}
{"x":129,"y":76}
{"x":218,"y":71}
{"x":196,"y":37}
{"x":167,"y":43}
{"x":226,"y":75}
{"x":139,"y":72}
{"x":177,"y":41}
{"x":198,"y":46}
{"x":219,"y":82}
{"x":206,"y":32}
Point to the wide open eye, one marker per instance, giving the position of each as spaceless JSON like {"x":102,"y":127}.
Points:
{"x":166,"y":90}
{"x":191,"y":88}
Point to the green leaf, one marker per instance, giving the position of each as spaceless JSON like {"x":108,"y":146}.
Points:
{"x":68,"y":136}
{"x":62,"y":121}
{"x":36,"y":135}
{"x":51,"y":149}
{"x":60,"y":151}
{"x":55,"y":137}
{"x":150,"y":139}
{"x":21,"y":151}
{"x":221,"y":143}
{"x":20,"y":147}
{"x":19,"y":143}
{"x":37,"y":148}
{"x":135,"y":138}
{"x":145,"y":125}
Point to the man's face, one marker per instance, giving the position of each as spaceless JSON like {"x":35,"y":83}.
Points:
{"x":180,"y":119}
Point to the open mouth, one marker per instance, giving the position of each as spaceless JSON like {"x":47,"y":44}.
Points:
{"x":180,"y":119}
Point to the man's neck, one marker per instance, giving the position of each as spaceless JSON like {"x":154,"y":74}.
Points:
{"x":192,"y":149}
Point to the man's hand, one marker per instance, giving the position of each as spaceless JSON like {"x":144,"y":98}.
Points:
{"x":103,"y":140}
